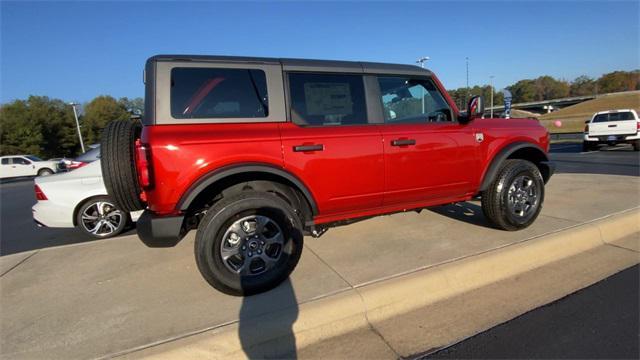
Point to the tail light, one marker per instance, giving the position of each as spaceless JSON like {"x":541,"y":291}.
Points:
{"x":586,"y":128}
{"x":76,"y":165}
{"x":143,"y":156}
{"x":638,"y":126}
{"x":39,"y":194}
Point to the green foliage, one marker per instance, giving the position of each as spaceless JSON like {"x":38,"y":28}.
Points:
{"x":547,"y":88}
{"x":46,"y":127}
{"x":38,"y":126}
{"x":98,"y":113}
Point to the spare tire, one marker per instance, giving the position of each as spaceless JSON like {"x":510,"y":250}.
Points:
{"x":118,"y":164}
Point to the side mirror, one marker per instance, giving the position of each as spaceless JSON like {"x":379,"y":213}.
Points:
{"x":587,"y":121}
{"x":475,"y":109}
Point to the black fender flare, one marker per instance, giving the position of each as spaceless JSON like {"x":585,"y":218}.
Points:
{"x":201,"y":184}
{"x":504,"y":153}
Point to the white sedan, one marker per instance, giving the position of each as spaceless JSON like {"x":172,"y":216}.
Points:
{"x":79,"y":199}
{"x":25,"y":165}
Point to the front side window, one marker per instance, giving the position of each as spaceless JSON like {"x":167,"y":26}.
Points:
{"x":5,"y":161}
{"x":407,"y":101}
{"x":21,"y":161}
{"x":198,"y":93}
{"x":327,"y":99}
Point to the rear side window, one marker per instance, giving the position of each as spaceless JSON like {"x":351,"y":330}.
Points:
{"x":619,"y":116}
{"x":5,"y":161}
{"x":327,"y":99}
{"x":198,"y":93}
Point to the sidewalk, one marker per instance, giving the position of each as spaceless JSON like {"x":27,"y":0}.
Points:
{"x":112,"y":296}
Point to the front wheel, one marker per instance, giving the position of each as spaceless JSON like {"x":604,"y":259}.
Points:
{"x":514,"y":199}
{"x":248,"y":243}
{"x":100,"y":218}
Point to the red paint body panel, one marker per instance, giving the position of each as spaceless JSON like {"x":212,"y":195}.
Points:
{"x":358,"y":173}
{"x":182,"y":154}
{"x":442,"y":163}
{"x":347,"y":174}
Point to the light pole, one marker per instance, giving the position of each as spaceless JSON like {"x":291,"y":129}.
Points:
{"x":421,"y":61}
{"x":75,"y":114}
{"x":466,"y":98}
{"x":491,"y":81}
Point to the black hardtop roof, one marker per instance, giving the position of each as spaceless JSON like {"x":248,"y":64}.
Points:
{"x":340,"y":65}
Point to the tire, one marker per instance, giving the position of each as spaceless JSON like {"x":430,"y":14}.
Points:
{"x":245,"y":271}
{"x":586,"y":146}
{"x":118,"y":164}
{"x":636,"y":145}
{"x":45,"y":172}
{"x":509,"y":202}
{"x":112,"y":220}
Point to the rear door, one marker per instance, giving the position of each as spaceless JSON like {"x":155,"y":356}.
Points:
{"x":613,"y":123}
{"x":428,"y":155}
{"x":330,"y":143}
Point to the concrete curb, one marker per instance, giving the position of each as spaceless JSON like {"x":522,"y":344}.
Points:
{"x":360,"y":307}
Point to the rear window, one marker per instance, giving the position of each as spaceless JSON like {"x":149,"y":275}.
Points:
{"x":198,"y":93}
{"x":618,"y":116}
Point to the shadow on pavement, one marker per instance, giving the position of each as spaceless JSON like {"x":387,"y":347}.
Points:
{"x":279,"y":322}
{"x":465,"y":211}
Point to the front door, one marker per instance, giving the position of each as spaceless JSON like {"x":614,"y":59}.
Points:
{"x":428,"y":155}
{"x":330,"y":144}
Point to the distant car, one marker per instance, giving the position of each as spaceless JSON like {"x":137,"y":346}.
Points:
{"x":612,"y":127}
{"x":90,"y":156}
{"x":79,"y":199}
{"x":25,"y":165}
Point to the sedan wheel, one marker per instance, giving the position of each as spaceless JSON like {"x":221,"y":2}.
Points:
{"x":100,"y":218}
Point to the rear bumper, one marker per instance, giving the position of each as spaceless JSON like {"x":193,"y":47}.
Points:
{"x":604,"y":138}
{"x":160,"y":231}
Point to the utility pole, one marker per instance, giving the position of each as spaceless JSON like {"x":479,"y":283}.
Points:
{"x":466,"y":98}
{"x":421,"y":61}
{"x":491,"y":82}
{"x":75,"y":114}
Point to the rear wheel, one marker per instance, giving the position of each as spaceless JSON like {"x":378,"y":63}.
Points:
{"x":100,"y":218}
{"x":248,"y":243}
{"x":45,"y":172}
{"x":514,"y":199}
{"x":118,"y":164}
{"x":636,"y":145}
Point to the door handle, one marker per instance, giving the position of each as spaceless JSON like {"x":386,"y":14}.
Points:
{"x":403,"y":142}
{"x":305,"y":148}
{"x":613,"y":125}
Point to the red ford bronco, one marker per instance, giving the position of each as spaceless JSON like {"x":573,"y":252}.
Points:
{"x":257,"y":152}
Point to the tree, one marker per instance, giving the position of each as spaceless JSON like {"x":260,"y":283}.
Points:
{"x":582,"y":85}
{"x":133,"y":106}
{"x":619,"y":81}
{"x":97,"y":113}
{"x":39,"y":126}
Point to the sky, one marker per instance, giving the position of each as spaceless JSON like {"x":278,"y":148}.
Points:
{"x":78,"y":50}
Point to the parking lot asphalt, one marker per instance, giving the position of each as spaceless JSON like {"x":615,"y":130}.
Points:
{"x":91,"y":300}
{"x":597,"y":322}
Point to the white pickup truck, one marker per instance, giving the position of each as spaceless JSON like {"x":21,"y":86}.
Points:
{"x":612,"y":127}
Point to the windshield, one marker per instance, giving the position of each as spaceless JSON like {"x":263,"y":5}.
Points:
{"x":33,"y":158}
{"x":617,"y":116}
